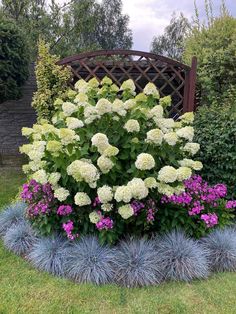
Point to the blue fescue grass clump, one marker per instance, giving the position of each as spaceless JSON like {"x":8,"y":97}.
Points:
{"x":221,"y":245}
{"x":19,"y":238}
{"x":181,"y":258}
{"x":12,"y":214}
{"x":90,"y":262}
{"x":137,"y":263}
{"x":49,"y":254}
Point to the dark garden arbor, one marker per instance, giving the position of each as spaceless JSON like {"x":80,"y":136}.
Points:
{"x":171,"y":77}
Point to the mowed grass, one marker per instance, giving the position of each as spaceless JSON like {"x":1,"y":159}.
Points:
{"x":26,"y":290}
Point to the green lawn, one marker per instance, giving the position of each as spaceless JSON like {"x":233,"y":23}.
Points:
{"x":26,"y":290}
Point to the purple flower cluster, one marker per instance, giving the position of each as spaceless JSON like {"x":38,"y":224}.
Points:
{"x":210,"y":219}
{"x":199,"y":197}
{"x":105,"y":223}
{"x":96,"y":202}
{"x":64,"y":210}
{"x":151,"y":205}
{"x":39,"y":198}
{"x":68,"y":228}
{"x":137,"y":206}
{"x":230,"y":204}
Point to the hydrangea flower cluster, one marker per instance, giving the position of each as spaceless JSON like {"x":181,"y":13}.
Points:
{"x":201,"y":200}
{"x":108,"y":146}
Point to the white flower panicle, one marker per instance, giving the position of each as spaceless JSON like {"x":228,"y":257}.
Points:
{"x":132,"y":126}
{"x":191,"y":148}
{"x":128,"y":85}
{"x":74,"y":123}
{"x":105,"y":194}
{"x":68,"y":108}
{"x":138,"y":188}
{"x":123,"y":194}
{"x":103,"y":106}
{"x":61,"y":194}
{"x":82,"y":170}
{"x":154,"y":136}
{"x":105,"y":164}
{"x":126,"y":211}
{"x":167,"y":174}
{"x":82,"y":199}
{"x":186,"y":132}
{"x":144,"y":161}
{"x":94,"y":217}
{"x":171,"y":138}
{"x":150,"y":89}
{"x":183,"y":173}
{"x":150,"y":183}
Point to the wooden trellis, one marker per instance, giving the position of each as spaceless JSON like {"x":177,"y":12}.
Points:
{"x":171,"y":77}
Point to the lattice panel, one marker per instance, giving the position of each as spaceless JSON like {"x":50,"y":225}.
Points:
{"x":170,"y":77}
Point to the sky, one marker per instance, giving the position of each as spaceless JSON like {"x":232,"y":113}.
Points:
{"x":148,"y":18}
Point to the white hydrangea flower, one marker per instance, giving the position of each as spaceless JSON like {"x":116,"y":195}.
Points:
{"x":138,"y":188}
{"x":105,"y":194}
{"x":82,"y":170}
{"x":105,"y":164}
{"x":126,"y":211}
{"x":74,"y":123}
{"x":67,"y":136}
{"x":167,"y":174}
{"x":183,"y":173}
{"x":171,"y":138}
{"x":110,"y":151}
{"x":61,"y":194}
{"x":156,"y":112}
{"x":100,"y":141}
{"x":118,"y":107}
{"x":150,"y":183}
{"x":54,"y":177}
{"x":150,"y":89}
{"x":82,"y":199}
{"x":40,"y":176}
{"x":107,"y":207}
{"x":196,"y":165}
{"x":165,"y":189}
{"x":68,"y":108}
{"x":166,"y":125}
{"x":132,"y":126}
{"x":103,"y":106}
{"x":94,"y":217}
{"x":187,"y":118}
{"x":81,"y":100}
{"x":35,"y":155}
{"x":128,"y":85}
{"x":54,"y":147}
{"x":81,"y":86}
{"x":123,"y":194}
{"x":26,"y":148}
{"x":27,"y":131}
{"x":90,"y":112}
{"x":191,"y":148}
{"x":129,"y":104}
{"x":186,"y":132}
{"x":154,"y":136}
{"x":144,"y":162}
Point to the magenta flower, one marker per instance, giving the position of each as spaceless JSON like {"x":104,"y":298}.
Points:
{"x":64,"y":210}
{"x":105,"y":223}
{"x":210,"y":219}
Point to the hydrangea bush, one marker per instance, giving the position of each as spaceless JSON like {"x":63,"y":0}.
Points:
{"x":105,"y":160}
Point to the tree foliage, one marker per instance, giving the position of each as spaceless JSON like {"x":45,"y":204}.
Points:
{"x":72,"y":27}
{"x":14,"y":60}
{"x":171,"y":43}
{"x":214,"y":45}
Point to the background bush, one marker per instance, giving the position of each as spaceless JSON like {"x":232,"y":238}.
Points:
{"x":214,"y":45}
{"x":51,"y":81}
{"x":14,"y":60}
{"x":215,"y":131}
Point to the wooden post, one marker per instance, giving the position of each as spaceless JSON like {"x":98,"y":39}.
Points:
{"x":192,"y":85}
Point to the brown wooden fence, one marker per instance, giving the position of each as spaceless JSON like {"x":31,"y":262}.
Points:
{"x":171,"y":77}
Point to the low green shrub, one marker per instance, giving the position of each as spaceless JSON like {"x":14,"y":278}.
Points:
{"x":14,"y":62}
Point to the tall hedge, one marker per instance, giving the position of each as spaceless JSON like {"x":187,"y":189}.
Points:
{"x":215,"y":131}
{"x":14,"y":60}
